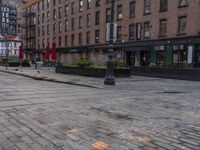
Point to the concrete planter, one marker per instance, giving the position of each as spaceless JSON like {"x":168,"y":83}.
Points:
{"x":16,"y":64}
{"x":92,"y":72}
{"x":173,"y":73}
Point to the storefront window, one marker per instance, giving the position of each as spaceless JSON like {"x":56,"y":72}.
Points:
{"x":130,"y":58}
{"x":183,"y":56}
{"x":180,"y":54}
{"x":160,"y":58}
{"x":198,"y":54}
{"x":144,"y":58}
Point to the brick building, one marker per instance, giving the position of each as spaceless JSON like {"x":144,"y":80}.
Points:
{"x":162,"y":32}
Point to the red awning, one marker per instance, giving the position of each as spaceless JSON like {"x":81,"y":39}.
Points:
{"x":53,"y":55}
{"x":21,"y":51}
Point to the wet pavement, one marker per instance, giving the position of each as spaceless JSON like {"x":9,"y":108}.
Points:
{"x":138,"y":113}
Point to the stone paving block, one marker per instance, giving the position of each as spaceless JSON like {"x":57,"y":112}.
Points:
{"x":165,"y":146}
{"x":193,"y":147}
{"x":189,"y":141}
{"x":146,"y":117}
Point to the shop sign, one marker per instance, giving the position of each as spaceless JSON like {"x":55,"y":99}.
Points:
{"x":118,"y":55}
{"x":73,"y":50}
{"x":175,"y":47}
{"x":159,"y":48}
{"x":138,"y":31}
{"x":190,"y":54}
{"x":178,"y":47}
{"x":108,"y":27}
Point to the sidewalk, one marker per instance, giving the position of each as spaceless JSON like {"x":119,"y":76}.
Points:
{"x":48,"y":74}
{"x":124,"y":83}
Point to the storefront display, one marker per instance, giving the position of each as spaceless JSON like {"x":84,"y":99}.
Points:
{"x":180,"y":54}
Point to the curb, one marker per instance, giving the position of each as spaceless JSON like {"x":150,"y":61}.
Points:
{"x":50,"y":80}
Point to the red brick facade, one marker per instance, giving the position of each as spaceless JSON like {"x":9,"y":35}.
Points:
{"x":174,"y":9}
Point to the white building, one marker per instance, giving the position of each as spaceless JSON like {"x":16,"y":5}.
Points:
{"x":13,"y":48}
{"x":10,"y":45}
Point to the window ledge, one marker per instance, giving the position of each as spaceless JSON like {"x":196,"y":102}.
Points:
{"x":180,"y":34}
{"x":162,"y":11}
{"x":145,"y":14}
{"x":162,"y":36}
{"x":184,"y":6}
{"x":132,"y":39}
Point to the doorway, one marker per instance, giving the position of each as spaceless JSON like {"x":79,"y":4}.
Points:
{"x":130,"y":58}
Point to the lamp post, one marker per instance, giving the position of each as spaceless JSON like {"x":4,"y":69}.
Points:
{"x":109,"y":79}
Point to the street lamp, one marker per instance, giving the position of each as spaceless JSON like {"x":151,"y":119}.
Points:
{"x":109,"y":79}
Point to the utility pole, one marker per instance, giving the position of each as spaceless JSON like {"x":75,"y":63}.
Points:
{"x":109,"y":79}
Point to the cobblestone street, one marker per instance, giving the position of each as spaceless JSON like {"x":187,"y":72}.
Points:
{"x":137,"y":114}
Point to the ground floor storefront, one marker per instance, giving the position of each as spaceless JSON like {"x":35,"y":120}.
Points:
{"x":178,"y":52}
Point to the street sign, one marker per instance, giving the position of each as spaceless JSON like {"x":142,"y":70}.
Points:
{"x":108,"y":32}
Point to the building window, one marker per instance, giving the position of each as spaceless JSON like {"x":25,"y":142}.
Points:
{"x":163,"y":28}
{"x":38,"y":5}
{"x":97,"y":34}
{"x":72,"y":7}
{"x":80,"y":5}
{"x":131,"y":31}
{"x":182,"y":25}
{"x":88,"y":37}
{"x":183,"y":3}
{"x":97,"y":18}
{"x":48,"y":29}
{"x":163,"y":5}
{"x":66,"y":40}
{"x":146,"y":30}
{"x":38,"y":44}
{"x":38,"y":31}
{"x":132,"y":9}
{"x":43,"y":30}
{"x":119,"y":33}
{"x":48,"y":41}
{"x":72,"y":39}
{"x":48,"y":14}
{"x":80,"y":37}
{"x":54,"y":27}
{"x":147,"y":7}
{"x":66,"y":25}
{"x":59,"y":41}
{"x":42,"y":4}
{"x":54,"y":14}
{"x":42,"y":17}
{"x":80,"y":21}
{"x":60,"y":2}
{"x":43,"y":45}
{"x":89,"y":4}
{"x":72,"y":23}
{"x":60,"y":26}
{"x":88,"y":20}
{"x":60,"y":12}
{"x":119,"y":12}
{"x":38,"y":19}
{"x":48,"y":3}
{"x":108,"y":15}
{"x":97,"y":4}
{"x":66,"y":10}
{"x":54,"y":2}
